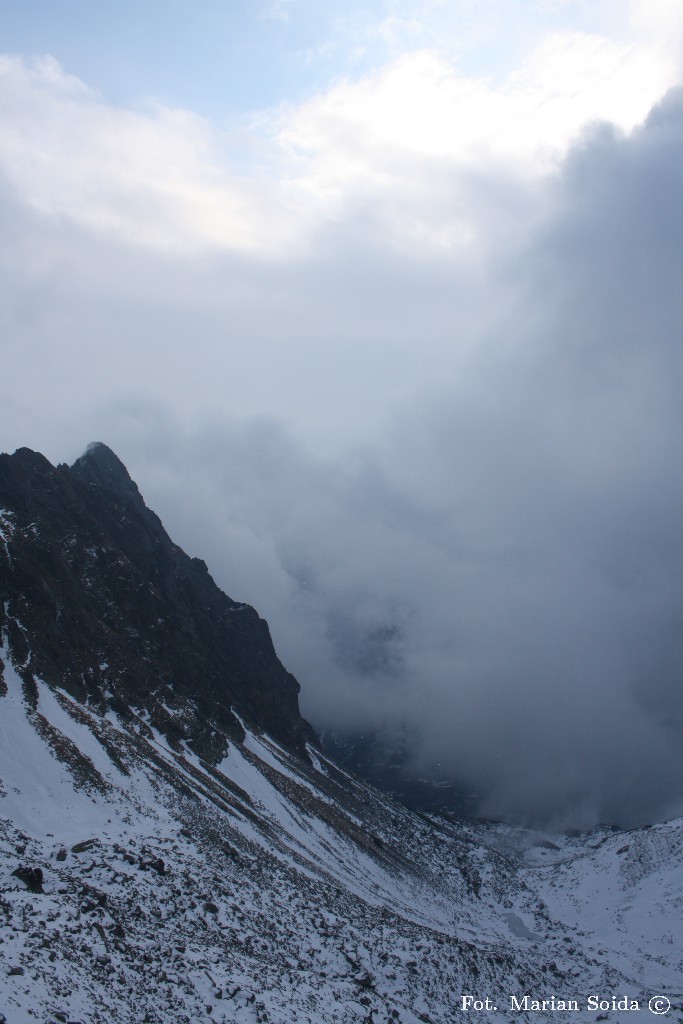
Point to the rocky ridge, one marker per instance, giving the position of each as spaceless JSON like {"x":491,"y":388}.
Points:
{"x":97,"y":599}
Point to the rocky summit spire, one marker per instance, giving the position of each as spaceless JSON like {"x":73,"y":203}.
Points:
{"x":100,"y":466}
{"x":96,"y":599}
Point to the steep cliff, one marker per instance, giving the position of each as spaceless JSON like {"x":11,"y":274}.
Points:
{"x":95,"y":598}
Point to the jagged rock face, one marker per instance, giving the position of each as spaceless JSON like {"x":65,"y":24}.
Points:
{"x":97,"y":599}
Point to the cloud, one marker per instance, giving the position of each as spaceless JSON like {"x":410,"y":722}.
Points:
{"x":158,"y":177}
{"x":497,"y":570}
{"x":413,"y":393}
{"x":277,"y":10}
{"x":405,"y":138}
{"x":384,"y":134}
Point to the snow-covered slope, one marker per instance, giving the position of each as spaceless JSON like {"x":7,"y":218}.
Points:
{"x":622,"y":892}
{"x":270,"y":889}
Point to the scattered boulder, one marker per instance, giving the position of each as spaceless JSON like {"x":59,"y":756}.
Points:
{"x":31,"y":877}
{"x":87,"y":844}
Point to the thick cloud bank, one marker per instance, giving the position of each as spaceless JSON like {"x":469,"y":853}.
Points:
{"x":499,"y":574}
{"x":450,"y":477}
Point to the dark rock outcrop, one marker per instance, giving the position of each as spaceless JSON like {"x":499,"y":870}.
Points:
{"x":95,"y":598}
{"x":31,"y":877}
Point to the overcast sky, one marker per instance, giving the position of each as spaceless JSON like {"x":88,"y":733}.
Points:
{"x":381,"y":305}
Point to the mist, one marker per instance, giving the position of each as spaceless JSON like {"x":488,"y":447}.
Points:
{"x":498,"y":569}
{"x":451,"y":479}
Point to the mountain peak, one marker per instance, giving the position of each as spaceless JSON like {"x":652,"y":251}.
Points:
{"x":94,"y":445}
{"x":101,"y":603}
{"x":101,"y":466}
